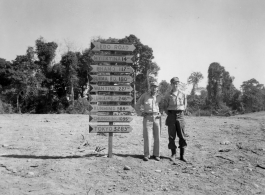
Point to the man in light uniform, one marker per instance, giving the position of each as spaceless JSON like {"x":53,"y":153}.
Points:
{"x":175,"y":103}
{"x":151,"y":121}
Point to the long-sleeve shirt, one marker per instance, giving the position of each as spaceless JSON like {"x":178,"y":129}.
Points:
{"x":175,"y":101}
{"x":149,"y":103}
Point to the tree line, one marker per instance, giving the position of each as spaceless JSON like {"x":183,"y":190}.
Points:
{"x":36,"y":83}
{"x":221,"y":96}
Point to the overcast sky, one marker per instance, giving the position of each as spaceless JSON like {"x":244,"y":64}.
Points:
{"x":186,"y":36}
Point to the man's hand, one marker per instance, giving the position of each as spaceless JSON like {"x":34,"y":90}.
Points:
{"x":143,"y":114}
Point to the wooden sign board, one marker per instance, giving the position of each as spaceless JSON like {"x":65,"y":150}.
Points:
{"x":110,"y":129}
{"x":96,"y":108}
{"x":109,"y":58}
{"x":94,"y":118}
{"x":110,"y":98}
{"x":125,"y":88}
{"x":114,"y":79}
{"x":97,"y":46}
{"x":118,"y":69}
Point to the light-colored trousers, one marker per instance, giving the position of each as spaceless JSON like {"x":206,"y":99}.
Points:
{"x":151,"y":129}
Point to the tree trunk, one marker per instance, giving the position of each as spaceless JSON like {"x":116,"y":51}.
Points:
{"x":18,"y":107}
{"x":72,"y":93}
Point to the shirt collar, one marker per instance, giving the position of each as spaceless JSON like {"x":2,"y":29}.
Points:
{"x":149,"y":93}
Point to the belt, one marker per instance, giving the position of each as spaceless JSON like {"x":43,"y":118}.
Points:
{"x":151,"y":114}
{"x":175,"y":111}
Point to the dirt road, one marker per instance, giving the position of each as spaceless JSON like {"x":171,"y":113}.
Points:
{"x":55,"y":154}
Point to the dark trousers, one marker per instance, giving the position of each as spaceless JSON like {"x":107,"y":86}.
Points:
{"x":176,"y":124}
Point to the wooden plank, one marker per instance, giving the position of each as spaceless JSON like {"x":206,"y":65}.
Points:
{"x":113,"y":79}
{"x":124,"y":88}
{"x":93,"y":118}
{"x":112,"y":58}
{"x":120,"y":69}
{"x":110,"y":98}
{"x":110,"y":129}
{"x":97,"y":46}
{"x":96,"y":108}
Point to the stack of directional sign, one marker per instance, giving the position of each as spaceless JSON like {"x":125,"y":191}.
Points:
{"x":110,"y":89}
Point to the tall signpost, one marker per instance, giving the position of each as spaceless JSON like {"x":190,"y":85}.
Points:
{"x":110,"y":91}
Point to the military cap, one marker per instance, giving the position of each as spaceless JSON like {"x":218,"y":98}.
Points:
{"x":174,"y":79}
{"x":154,"y":83}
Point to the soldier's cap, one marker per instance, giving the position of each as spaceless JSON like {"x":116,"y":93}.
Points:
{"x":154,"y":83}
{"x":174,"y":79}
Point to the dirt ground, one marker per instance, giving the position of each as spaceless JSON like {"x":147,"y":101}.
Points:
{"x":55,"y":154}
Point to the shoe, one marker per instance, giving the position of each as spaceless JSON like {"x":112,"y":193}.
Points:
{"x":157,"y":158}
{"x":182,"y":151}
{"x":173,"y":157}
{"x":145,"y":159}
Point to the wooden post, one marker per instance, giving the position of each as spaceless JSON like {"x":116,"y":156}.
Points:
{"x":110,"y":145}
{"x":116,"y":75}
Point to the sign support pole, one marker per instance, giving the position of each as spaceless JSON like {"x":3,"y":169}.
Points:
{"x":112,"y":98}
{"x":110,"y":144}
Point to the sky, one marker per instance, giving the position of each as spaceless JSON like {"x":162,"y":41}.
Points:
{"x":186,"y":36}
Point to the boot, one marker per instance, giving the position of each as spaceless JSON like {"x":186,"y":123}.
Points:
{"x":182,"y":151}
{"x":173,"y":154}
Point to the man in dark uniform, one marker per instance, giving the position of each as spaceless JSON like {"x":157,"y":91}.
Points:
{"x":175,"y":103}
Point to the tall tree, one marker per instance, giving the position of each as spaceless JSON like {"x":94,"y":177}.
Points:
{"x":143,"y":54}
{"x":46,"y":52}
{"x":194,"y":79}
{"x":84,"y":59}
{"x":164,"y":88}
{"x":5,"y":71}
{"x":214,"y":87}
{"x":69,"y":61}
{"x":253,"y":95}
{"x":228,"y":88}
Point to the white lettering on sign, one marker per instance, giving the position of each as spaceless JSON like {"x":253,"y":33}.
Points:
{"x":98,"y":46}
{"x":114,"y":128}
{"x":111,"y":88}
{"x":121,"y":79}
{"x":127,"y":59}
{"x":95,"y":98}
{"x":112,"y":108}
{"x":110,"y":118}
{"x":125,"y":69}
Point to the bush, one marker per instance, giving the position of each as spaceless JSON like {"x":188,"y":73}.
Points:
{"x":81,"y":106}
{"x":6,"y":108}
{"x":202,"y":113}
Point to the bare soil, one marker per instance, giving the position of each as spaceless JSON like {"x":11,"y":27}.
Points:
{"x":55,"y":154}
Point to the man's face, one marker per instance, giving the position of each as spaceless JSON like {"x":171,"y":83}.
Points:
{"x":154,"y":89}
{"x":175,"y":86}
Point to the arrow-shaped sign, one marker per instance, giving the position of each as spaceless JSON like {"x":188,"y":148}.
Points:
{"x":110,"y":129}
{"x":125,"y":69}
{"x":96,"y":108}
{"x":114,"y":79}
{"x":107,"y":58}
{"x":126,"y":88}
{"x":108,"y":98}
{"x":110,"y":118}
{"x":97,"y":46}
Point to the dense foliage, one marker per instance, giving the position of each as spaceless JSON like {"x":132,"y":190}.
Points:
{"x":35,"y":83}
